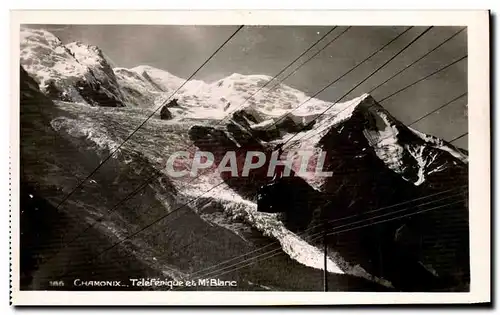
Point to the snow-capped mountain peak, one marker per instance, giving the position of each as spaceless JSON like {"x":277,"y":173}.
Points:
{"x":87,"y":55}
{"x":75,"y":72}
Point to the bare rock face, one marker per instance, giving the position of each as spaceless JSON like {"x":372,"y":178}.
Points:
{"x":173,"y":103}
{"x":165,"y":114}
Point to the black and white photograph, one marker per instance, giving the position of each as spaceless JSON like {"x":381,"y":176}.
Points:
{"x":246,"y":157}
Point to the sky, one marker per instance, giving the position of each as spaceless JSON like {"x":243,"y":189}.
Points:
{"x":180,"y":50}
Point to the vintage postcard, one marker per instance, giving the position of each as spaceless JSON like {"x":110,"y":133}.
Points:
{"x":250,"y":157}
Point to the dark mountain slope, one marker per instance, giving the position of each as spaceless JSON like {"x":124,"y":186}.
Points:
{"x":372,"y":168}
{"x":52,"y":165}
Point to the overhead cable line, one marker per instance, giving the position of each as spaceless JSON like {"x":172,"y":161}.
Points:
{"x":339,"y":78}
{"x":288,"y":66}
{"x":438,"y":109}
{"x":397,"y":73}
{"x":304,"y":233}
{"x":424,"y":78}
{"x":336,"y":230}
{"x":416,"y":61}
{"x":307,"y":60}
{"x":387,"y":97}
{"x":359,"y":83}
{"x":459,"y":137}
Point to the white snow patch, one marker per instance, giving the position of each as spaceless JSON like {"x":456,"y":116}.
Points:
{"x":439,"y":144}
{"x":269,"y":225}
{"x":262,"y":125}
{"x":78,"y":128}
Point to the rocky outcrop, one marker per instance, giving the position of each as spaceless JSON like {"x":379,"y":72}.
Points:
{"x":251,"y":123}
{"x":165,"y":114}
{"x":172,"y":103}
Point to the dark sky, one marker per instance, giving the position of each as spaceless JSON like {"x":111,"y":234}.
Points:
{"x":267,"y":49}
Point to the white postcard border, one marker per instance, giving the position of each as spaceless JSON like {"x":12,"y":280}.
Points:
{"x":479,"y":153}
